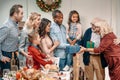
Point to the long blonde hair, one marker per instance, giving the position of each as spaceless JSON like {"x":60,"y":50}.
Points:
{"x":29,"y":22}
{"x":105,"y":28}
{"x":31,"y":18}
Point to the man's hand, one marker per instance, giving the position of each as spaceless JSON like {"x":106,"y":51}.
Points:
{"x":82,"y":49}
{"x":5,"y":59}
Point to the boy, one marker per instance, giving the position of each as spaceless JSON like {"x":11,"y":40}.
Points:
{"x":34,"y":51}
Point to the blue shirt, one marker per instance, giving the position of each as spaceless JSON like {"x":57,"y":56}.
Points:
{"x":23,"y":42}
{"x":59,"y":33}
{"x":8,"y":37}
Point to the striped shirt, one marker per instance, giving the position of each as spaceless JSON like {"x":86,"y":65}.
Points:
{"x":8,"y":37}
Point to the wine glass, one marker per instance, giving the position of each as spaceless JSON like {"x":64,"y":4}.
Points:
{"x":22,"y":64}
{"x":30,"y":62}
{"x":6,"y":71}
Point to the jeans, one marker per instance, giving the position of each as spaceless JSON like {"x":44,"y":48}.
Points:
{"x":0,"y":71}
{"x":62,"y":63}
{"x":70,"y":50}
{"x":69,"y":59}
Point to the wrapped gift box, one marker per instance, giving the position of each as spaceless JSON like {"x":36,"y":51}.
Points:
{"x":90,"y":44}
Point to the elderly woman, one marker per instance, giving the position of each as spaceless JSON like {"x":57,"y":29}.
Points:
{"x":111,"y":51}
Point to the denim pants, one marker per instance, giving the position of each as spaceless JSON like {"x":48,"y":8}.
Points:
{"x":69,"y":59}
{"x":7,"y":64}
{"x":62,"y":63}
{"x":70,"y":51}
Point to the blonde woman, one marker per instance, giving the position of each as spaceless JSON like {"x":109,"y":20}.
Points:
{"x":111,"y":50}
{"x":31,"y":24}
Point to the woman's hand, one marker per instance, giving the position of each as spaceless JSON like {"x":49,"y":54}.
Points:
{"x":90,"y":50}
{"x":27,"y":55}
{"x":47,"y":66}
{"x":56,"y":43}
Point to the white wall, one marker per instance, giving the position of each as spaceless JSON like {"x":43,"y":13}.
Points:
{"x":115,"y":14}
{"x":88,"y":9}
{"x":118,"y":18}
{"x":5,"y":6}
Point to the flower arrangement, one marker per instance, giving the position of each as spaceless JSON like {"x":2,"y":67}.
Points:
{"x":48,"y":5}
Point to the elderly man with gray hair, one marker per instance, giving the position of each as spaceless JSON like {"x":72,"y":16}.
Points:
{"x":93,"y":63}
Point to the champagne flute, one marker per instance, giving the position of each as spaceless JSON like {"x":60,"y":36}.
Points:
{"x":30,"y":62}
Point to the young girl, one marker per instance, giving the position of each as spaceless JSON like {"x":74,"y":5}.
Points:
{"x":31,"y":24}
{"x":35,"y":52}
{"x":73,"y":28}
{"x":74,"y":33}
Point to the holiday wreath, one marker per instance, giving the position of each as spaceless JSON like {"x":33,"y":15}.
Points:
{"x":48,"y":5}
